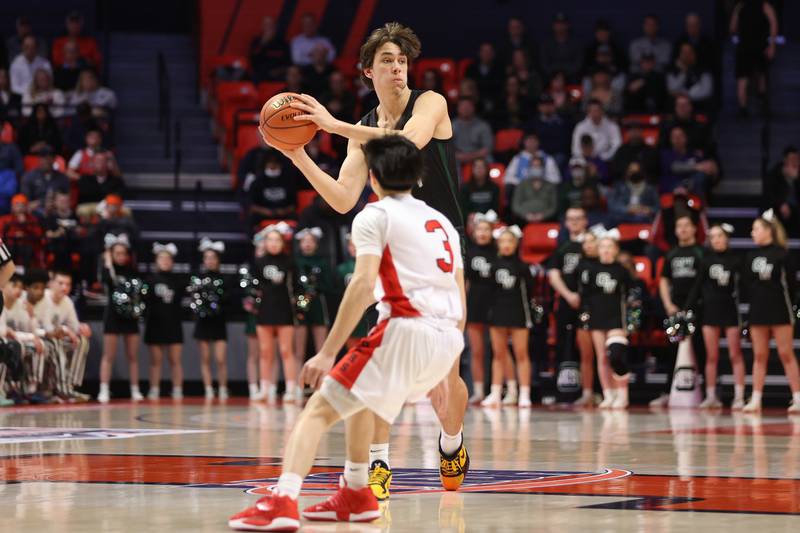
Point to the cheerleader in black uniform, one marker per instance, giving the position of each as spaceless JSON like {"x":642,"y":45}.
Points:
{"x":276,"y":320}
{"x":163,"y":327}
{"x":717,"y":285}
{"x":510,"y":316}
{"x":118,"y":267}
{"x":212,"y":331}
{"x":769,"y":275}
{"x":604,"y":286}
{"x":481,"y":251}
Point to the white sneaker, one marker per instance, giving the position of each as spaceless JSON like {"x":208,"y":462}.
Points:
{"x":584,"y":401}
{"x":661,"y":401}
{"x":511,"y":398}
{"x":493,"y":400}
{"x":547,"y":401}
{"x":136,"y":395}
{"x":177,"y":393}
{"x":257,"y":396}
{"x":476,"y":398}
{"x":608,"y":399}
{"x":752,"y":407}
{"x":154,"y":393}
{"x":620,"y":401}
{"x":711,"y":402}
{"x":223,"y":393}
{"x":794,"y":408}
{"x":104,"y":397}
{"x":272,"y":394}
{"x":525,"y":402}
{"x":209,"y":393}
{"x":738,"y":404}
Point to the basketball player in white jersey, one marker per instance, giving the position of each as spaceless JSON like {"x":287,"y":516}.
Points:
{"x":407,"y":258}
{"x":421,"y":117}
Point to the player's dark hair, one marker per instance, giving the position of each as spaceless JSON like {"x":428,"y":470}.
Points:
{"x":395,"y":161}
{"x":36,"y":275}
{"x":391,"y":32}
{"x":64,"y":273}
{"x":16,"y":278}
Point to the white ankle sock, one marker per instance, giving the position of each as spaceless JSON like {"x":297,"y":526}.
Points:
{"x":511,"y":385}
{"x":756,"y":397}
{"x":289,"y":387}
{"x":177,"y":390}
{"x":587,"y":393}
{"x":252,"y":388}
{"x":477,"y":387}
{"x":264,"y":385}
{"x":711,"y":392}
{"x":450,"y":443}
{"x":379,"y":452}
{"x":525,"y":392}
{"x":356,"y":474}
{"x":209,"y":390}
{"x":796,"y":398}
{"x":104,"y":388}
{"x":155,"y":391}
{"x":135,"y":388}
{"x":289,"y":484}
{"x":496,"y":390}
{"x":738,"y":392}
{"x":621,"y":394}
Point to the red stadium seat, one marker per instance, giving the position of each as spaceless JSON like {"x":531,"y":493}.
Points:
{"x":7,"y":134}
{"x":643,"y":120}
{"x":268,"y":89}
{"x":463,"y":65}
{"x":305,"y":199}
{"x":30,"y":162}
{"x":232,"y":96}
{"x":632,"y":232}
{"x":575,"y":91}
{"x":228,"y":60}
{"x":657,"y":273}
{"x":650,"y":135}
{"x":507,"y":140}
{"x":445,"y":66}
{"x":539,"y":240}
{"x":644,"y":269}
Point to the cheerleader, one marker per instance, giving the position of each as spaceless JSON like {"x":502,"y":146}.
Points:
{"x":319,"y":286}
{"x":211,"y":331}
{"x":163,"y":327}
{"x":603,"y":288}
{"x":250,"y":306}
{"x":769,"y":275}
{"x":717,"y":285}
{"x":117,"y":269}
{"x":481,"y":252}
{"x":510,"y":316}
{"x":345,"y":272}
{"x":276,"y":318}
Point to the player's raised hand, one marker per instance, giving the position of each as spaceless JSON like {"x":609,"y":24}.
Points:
{"x":315,"y":112}
{"x":316,"y":368}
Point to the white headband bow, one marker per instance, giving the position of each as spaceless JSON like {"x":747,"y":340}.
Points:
{"x":601,"y":232}
{"x":281,"y":227}
{"x":489,"y":216}
{"x":112,"y":240}
{"x":316,"y":232}
{"x":768,"y":215}
{"x":513,"y":230}
{"x":727,"y":228}
{"x":169,"y":248}
{"x":208,"y":244}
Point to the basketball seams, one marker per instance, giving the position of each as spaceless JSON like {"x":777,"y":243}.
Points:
{"x":266,"y":124}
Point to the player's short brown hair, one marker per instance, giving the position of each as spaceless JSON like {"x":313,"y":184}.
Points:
{"x":391,"y":32}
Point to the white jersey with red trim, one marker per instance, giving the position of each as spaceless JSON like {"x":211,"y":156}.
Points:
{"x":420,"y":254}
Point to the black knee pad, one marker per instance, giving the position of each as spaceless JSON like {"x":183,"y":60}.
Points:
{"x":618,"y":354}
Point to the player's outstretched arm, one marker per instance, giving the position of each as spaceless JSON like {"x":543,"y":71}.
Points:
{"x":429,"y":110}
{"x":342,"y":193}
{"x":357,"y":298}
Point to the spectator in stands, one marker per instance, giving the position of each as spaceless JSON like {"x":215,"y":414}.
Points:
{"x":321,"y":215}
{"x":646,"y":91}
{"x":687,"y":77}
{"x":604,"y":132}
{"x":596,"y":167}
{"x":521,"y":164}
{"x":684,"y":168}
{"x":26,"y":64}
{"x":561,"y":53}
{"x":82,"y":161}
{"x":304,"y":43}
{"x":487,"y":70}
{"x":273,"y":192}
{"x":700,"y":136}
{"x":603,"y":43}
{"x":633,"y":200}
{"x":102,"y":99}
{"x":650,"y":43}
{"x":592,"y":204}
{"x":40,"y":184}
{"x":705,"y":47}
{"x":327,"y":163}
{"x":39,"y":131}
{"x":604,"y":60}
{"x":480,"y":194}
{"x":42,"y":91}
{"x":10,"y":102}
{"x":755,"y":23}
{"x":531,"y":83}
{"x":635,"y":149}
{"x":61,"y":231}
{"x":67,"y":73}
{"x":115,"y":219}
{"x":673,"y":207}
{"x":432,"y":81}
{"x":472,"y":136}
{"x":22,"y":233}
{"x":338,"y":99}
{"x":552,"y":130}
{"x":294,"y":79}
{"x":516,"y":39}
{"x":782,"y":190}
{"x":600,"y":88}
{"x":269,"y":54}
{"x":317,"y":73}
{"x":87,"y":45}
{"x":14,"y":44}
{"x":94,"y":188}
{"x":11,"y":169}
{"x":578,"y":178}
{"x":512,"y":109}
{"x":80,"y":124}
{"x":565,"y":103}
{"x":535,"y":199}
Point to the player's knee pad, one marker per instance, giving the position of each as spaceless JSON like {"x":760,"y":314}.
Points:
{"x":618,"y":354}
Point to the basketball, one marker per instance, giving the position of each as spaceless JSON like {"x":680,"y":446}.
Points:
{"x":278,"y":126}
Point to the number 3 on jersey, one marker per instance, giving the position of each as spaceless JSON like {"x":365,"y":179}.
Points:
{"x":444,"y":265}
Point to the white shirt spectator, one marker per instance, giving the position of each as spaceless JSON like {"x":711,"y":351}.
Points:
{"x":302,"y":46}
{"x":606,"y":135}
{"x":54,"y":98}
{"x":64,"y":313}
{"x":21,"y":72}
{"x":517,"y":169}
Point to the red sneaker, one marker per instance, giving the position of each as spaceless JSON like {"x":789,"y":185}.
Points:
{"x":347,"y":505}
{"x":274,"y":513}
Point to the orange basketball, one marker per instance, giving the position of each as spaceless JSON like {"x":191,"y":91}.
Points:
{"x":279,"y":127}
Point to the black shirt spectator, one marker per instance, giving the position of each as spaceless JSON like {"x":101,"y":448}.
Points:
{"x":66,"y":75}
{"x":40,"y":130}
{"x":646,"y":90}
{"x":687,"y":77}
{"x":269,"y":54}
{"x":516,"y":39}
{"x":480,"y":194}
{"x":699,"y":133}
{"x":553,"y":130}
{"x":782,"y":191}
{"x":338,"y":99}
{"x":316,"y":75}
{"x":706,"y":48}
{"x":561,"y":52}
{"x":43,"y":182}
{"x":512,"y":108}
{"x":635,"y":149}
{"x":602,"y":40}
{"x":61,"y":226}
{"x":272,"y":193}
{"x":487,"y":70}
{"x":92,"y":189}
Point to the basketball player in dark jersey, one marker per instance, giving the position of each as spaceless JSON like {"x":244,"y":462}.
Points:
{"x":421,"y":117}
